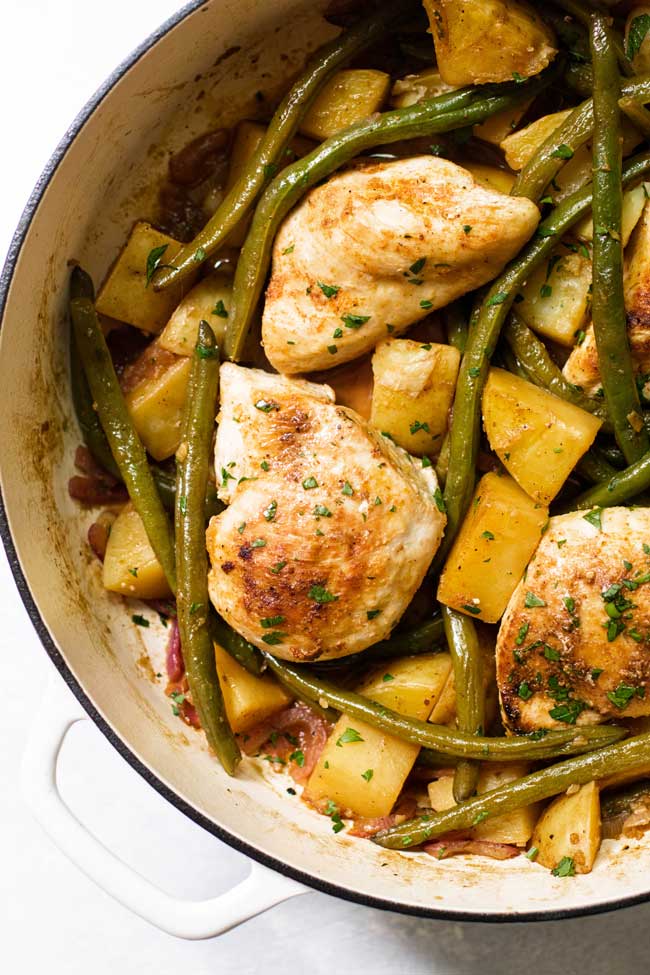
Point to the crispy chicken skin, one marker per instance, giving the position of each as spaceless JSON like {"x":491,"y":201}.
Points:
{"x":574,"y":642}
{"x":330,"y":528}
{"x":385,"y":243}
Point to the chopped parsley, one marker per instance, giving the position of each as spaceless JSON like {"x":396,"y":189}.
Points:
{"x":426,"y":303}
{"x":524,"y":691}
{"x":309,"y":483}
{"x":470,"y":608}
{"x":272,"y":639}
{"x":546,"y":291}
{"x":636,"y":35}
{"x":354,"y":321}
{"x":595,"y":518}
{"x":220,"y":309}
{"x":270,"y":512}
{"x":298,"y":757}
{"x":329,"y":290}
{"x":497,"y":299}
{"x":140,"y":620}
{"x":467,"y":229}
{"x":565,"y":868}
{"x":153,"y":262}
{"x":368,"y":774}
{"x":278,"y":567}
{"x":372,"y":613}
{"x":563,"y":151}
{"x":266,"y":405}
{"x":623,"y":694}
{"x":347,"y":489}
{"x":321,"y":511}
{"x":532,"y":601}
{"x":321,"y":595}
{"x":521,"y":636}
{"x":349,"y":736}
{"x":439,"y":500}
{"x":416,"y":426}
{"x":417,"y":266}
{"x":488,"y":534}
{"x":268,"y":622}
{"x":387,"y":677}
{"x":259,"y":543}
{"x":265,"y":465}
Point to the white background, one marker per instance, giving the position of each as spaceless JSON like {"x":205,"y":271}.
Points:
{"x":53,"y":55}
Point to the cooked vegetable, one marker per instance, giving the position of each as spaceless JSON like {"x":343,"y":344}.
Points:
{"x":617,"y":373}
{"x":248,"y":699}
{"x":130,"y":565}
{"x":192,"y":600}
{"x":361,"y":768}
{"x":514,"y":827}
{"x":637,"y":269}
{"x":447,"y":740}
{"x":637,"y":38}
{"x":128,"y":293}
{"x":491,"y":176}
{"x":570,"y":829}
{"x":348,"y":96}
{"x":521,"y":148}
{"x":488,"y":40}
{"x":531,"y":788}
{"x":413,"y":390}
{"x":466,"y":656}
{"x":557,"y":296}
{"x":209,"y":301}
{"x":239,"y":649}
{"x":538,"y":437}
{"x":266,"y":161}
{"x":498,"y":536}
{"x":627,"y":811}
{"x":633,"y":202}
{"x":621,"y":487}
{"x":416,"y":88}
{"x":124,"y":442}
{"x":442,"y":114}
{"x":155,"y":403}
{"x":572,"y":131}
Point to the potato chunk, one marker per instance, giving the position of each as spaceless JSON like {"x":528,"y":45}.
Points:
{"x":491,"y":176}
{"x":363,"y":769}
{"x":347,"y":97}
{"x":538,"y":437}
{"x":557,"y":296}
{"x":515,"y":827}
{"x":130,"y":566}
{"x":415,"y":88}
{"x":500,"y":530}
{"x":414,"y":386}
{"x":156,"y":398}
{"x":633,"y":203}
{"x":126,"y":296}
{"x":569,"y":829}
{"x":208,"y":300}
{"x":478,"y":41}
{"x":248,"y":699}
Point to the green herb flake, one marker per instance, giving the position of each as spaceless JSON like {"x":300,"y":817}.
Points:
{"x":354,"y":321}
{"x":321,"y":595}
{"x":480,"y":817}
{"x":387,"y":677}
{"x":349,"y":736}
{"x":321,"y":511}
{"x":278,"y":567}
{"x":195,"y":607}
{"x":220,"y":309}
{"x":289,"y":250}
{"x":524,"y":691}
{"x":532,"y":853}
{"x":488,"y":534}
{"x":134,"y":573}
{"x":545,"y":291}
{"x":329,"y":290}
{"x":565,"y":868}
{"x":439,"y":500}
{"x":467,"y":229}
{"x":497,"y":299}
{"x":417,"y":266}
{"x":199,"y":255}
{"x":338,"y":333}
{"x":416,"y":426}
{"x":272,"y":639}
{"x":426,"y":303}
{"x":372,"y":613}
{"x":596,"y":672}
{"x":259,"y":543}
{"x":636,"y":34}
{"x":623,"y":694}
{"x":309,"y":483}
{"x":550,"y":653}
{"x":266,"y":405}
{"x":532,"y":601}
{"x":474,"y":371}
{"x":265,"y":465}
{"x":521,"y":636}
{"x":347,"y":489}
{"x":368,"y":774}
{"x":140,"y":620}
{"x":470,"y":608}
{"x":332,"y":349}
{"x":268,"y":622}
{"x":563,"y":151}
{"x":153,"y":262}
{"x":595,"y":518}
{"x":298,"y":757}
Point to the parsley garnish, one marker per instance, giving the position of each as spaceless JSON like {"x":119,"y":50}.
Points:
{"x":272,"y":639}
{"x":349,"y":735}
{"x":372,"y":613}
{"x":329,"y":290}
{"x":623,"y":694}
{"x":636,"y":35}
{"x":266,"y":405}
{"x":595,"y":518}
{"x":270,"y":512}
{"x":278,"y":567}
{"x":532,"y":601}
{"x":298,"y":757}
{"x":309,"y":483}
{"x":140,"y":620}
{"x":321,"y":595}
{"x":565,"y":868}
{"x":417,"y":266}
{"x":220,"y":309}
{"x":270,"y":621}
{"x":563,"y":152}
{"x":497,"y":299}
{"x":368,"y":774}
{"x":439,"y":500}
{"x":354,"y":321}
{"x":470,"y":608}
{"x":153,"y":262}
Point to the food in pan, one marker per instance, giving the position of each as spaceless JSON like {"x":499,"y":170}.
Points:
{"x":365,"y":415}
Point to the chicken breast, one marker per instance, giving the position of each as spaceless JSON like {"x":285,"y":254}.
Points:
{"x":377,"y":248}
{"x":330,"y":527}
{"x":574,"y":642}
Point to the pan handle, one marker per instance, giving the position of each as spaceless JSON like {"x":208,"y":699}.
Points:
{"x":192,"y":920}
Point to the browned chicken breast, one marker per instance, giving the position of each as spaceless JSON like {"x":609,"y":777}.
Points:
{"x":574,"y":642}
{"x":377,"y":248}
{"x":330,"y":527}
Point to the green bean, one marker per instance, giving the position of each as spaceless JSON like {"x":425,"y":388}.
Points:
{"x":283,"y":126}
{"x":126,"y":446}
{"x":483,"y":337}
{"x":608,"y":310}
{"x":534,"y":357}
{"x":445,"y":113}
{"x":595,"y":468}
{"x":613,"y":455}
{"x":456,"y":326}
{"x":580,"y":78}
{"x":470,"y":695}
{"x":419,"y":639}
{"x":535,"y":787}
{"x":547,"y":160}
{"x":239,"y":649}
{"x":438,"y":737}
{"x":619,"y":489}
{"x":583,"y":14}
{"x":192,"y":598}
{"x":506,"y":358}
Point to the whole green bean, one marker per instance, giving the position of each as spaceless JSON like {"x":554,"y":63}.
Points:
{"x":483,"y":337}
{"x":440,"y":738}
{"x":620,"y":757}
{"x":192,"y":598}
{"x":126,"y":446}
{"x":283,"y":126}
{"x":624,"y":486}
{"x":445,"y":113}
{"x":608,"y":309}
{"x":239,"y":649}
{"x":470,"y":694}
{"x":595,"y":468}
{"x":534,"y":357}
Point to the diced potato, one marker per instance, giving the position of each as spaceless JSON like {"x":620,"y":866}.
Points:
{"x":347,"y":97}
{"x":155,"y":401}
{"x":208,"y":300}
{"x":498,"y":126}
{"x":413,"y":392}
{"x":557,"y":296}
{"x":130,"y":566}
{"x":478,"y":41}
{"x":519,"y":147}
{"x":500,"y":530}
{"x":490,"y":176}
{"x":637,"y":271}
{"x":514,"y":828}
{"x":444,"y":710}
{"x":633,"y":203}
{"x":570,"y":827}
{"x":125,"y":294}
{"x":366,"y":776}
{"x":248,"y":699}
{"x":538,"y":437}
{"x":415,"y":88}
{"x":636,"y":30}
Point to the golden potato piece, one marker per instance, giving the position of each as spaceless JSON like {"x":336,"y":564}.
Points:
{"x":248,"y":699}
{"x":569,"y":830}
{"x":347,"y":97}
{"x":155,"y":401}
{"x":557,"y":296}
{"x":130,"y":566}
{"x":209,"y":300}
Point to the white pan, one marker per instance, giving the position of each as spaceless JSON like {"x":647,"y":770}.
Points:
{"x":201,"y":68}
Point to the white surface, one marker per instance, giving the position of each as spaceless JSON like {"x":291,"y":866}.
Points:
{"x":53,"y":55}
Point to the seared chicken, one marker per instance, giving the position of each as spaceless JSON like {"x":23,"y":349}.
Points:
{"x":376,"y":249}
{"x":574,"y":642}
{"x":330,"y":527}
